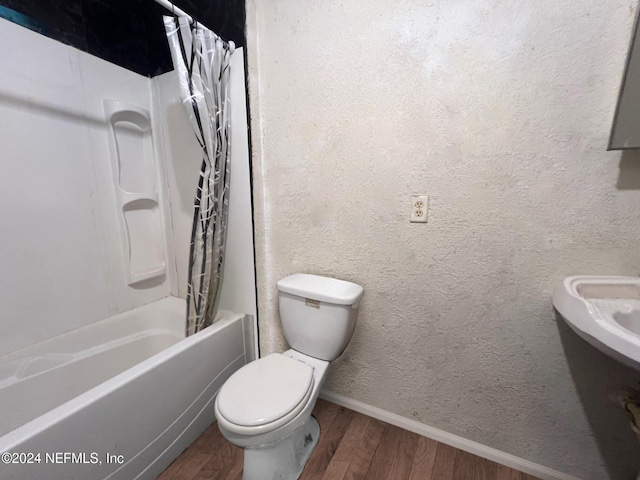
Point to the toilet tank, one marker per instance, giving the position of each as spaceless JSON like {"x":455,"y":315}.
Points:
{"x":318,"y":314}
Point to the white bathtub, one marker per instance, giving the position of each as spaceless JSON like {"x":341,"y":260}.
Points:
{"x":119,"y":399}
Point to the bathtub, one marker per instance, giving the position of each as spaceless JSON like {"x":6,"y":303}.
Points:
{"x":119,"y":399}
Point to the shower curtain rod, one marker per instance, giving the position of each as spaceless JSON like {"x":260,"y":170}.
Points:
{"x":181,"y":13}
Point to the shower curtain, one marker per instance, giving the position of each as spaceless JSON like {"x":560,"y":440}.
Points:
{"x":201,"y":59}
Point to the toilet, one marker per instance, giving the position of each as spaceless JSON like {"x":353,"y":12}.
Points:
{"x":265,"y":407}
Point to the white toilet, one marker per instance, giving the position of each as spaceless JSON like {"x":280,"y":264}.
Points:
{"x":265,"y":407}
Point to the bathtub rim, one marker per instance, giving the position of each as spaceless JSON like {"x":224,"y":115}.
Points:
{"x":32,"y":428}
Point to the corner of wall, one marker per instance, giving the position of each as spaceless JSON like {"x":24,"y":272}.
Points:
{"x":271,"y":338}
{"x":159,"y":123}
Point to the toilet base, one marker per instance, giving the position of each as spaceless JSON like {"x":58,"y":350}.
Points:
{"x":284,"y":459}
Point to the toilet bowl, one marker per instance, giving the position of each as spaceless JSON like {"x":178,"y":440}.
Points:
{"x":265,"y":407}
{"x":269,"y":398}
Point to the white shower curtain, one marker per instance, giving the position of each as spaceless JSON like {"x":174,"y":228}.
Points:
{"x":201,"y":59}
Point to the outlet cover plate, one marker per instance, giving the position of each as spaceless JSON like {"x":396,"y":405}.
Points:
{"x":419,"y":208}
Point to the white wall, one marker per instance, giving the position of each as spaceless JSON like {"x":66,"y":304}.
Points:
{"x":63,"y":259}
{"x":103,"y":80}
{"x":184,"y":158}
{"x":61,"y":255}
{"x":500,"y":111}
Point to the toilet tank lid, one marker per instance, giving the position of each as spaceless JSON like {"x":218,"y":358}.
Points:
{"x":323,"y":289}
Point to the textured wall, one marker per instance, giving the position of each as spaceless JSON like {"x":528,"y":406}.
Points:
{"x":501,"y":112}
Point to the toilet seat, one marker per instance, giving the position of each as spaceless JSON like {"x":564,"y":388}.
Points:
{"x":264,"y":394}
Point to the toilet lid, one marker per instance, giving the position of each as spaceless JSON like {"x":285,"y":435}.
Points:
{"x":263,"y":391}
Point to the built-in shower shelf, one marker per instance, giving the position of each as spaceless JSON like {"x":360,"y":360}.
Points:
{"x":135,"y":174}
{"x":140,"y":277}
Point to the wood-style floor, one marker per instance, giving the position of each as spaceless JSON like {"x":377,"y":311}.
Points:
{"x":352,"y":446}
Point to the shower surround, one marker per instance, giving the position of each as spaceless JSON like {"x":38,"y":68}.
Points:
{"x":94,"y":239}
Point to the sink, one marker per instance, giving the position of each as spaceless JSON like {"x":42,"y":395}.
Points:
{"x":605,"y":311}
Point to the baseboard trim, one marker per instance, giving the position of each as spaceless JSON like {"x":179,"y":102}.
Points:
{"x":470,"y":446}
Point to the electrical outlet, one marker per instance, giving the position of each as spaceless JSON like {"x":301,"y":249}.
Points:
{"x":419,"y":208}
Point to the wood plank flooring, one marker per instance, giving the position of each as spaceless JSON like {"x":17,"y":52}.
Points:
{"x":352,"y":446}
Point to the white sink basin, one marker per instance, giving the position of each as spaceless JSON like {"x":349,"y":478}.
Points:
{"x":605,"y":311}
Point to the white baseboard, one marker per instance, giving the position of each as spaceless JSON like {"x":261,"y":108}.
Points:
{"x":478,"y":449}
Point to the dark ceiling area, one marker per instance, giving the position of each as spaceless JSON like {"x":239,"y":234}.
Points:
{"x":129,"y":33}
